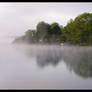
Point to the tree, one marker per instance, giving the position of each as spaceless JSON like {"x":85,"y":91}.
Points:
{"x":30,"y":35}
{"x":55,"y":29}
{"x":79,"y":31}
{"x":42,"y":29}
{"x":54,"y":32}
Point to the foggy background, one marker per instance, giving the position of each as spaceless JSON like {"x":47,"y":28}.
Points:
{"x":16,"y":18}
{"x":32,"y":66}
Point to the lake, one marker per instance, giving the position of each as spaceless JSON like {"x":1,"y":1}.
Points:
{"x":45,"y":66}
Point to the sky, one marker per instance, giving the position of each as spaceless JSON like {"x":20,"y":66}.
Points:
{"x":17,"y":18}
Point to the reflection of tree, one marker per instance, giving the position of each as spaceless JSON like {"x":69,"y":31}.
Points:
{"x":77,"y":59}
{"x":44,"y":60}
{"x":80,"y":61}
{"x":45,"y":56}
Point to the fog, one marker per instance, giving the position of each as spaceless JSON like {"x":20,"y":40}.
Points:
{"x":17,"y":18}
{"x":73,"y":56}
{"x":37,"y":66}
{"x":52,"y":66}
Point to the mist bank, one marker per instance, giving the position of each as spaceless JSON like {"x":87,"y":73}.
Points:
{"x":76,"y":32}
{"x":77,"y":58}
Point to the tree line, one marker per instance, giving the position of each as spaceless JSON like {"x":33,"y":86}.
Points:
{"x":77,"y":32}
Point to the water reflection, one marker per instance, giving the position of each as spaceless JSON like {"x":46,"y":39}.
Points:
{"x":48,"y":59}
{"x":45,"y":55}
{"x":77,"y":59}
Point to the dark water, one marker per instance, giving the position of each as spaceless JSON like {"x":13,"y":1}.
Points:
{"x":45,"y":67}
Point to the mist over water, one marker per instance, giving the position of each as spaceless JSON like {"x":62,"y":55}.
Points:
{"x":43,"y":66}
{"x":77,"y":58}
{"x":35,"y":66}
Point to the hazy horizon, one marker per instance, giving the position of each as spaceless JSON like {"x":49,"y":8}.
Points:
{"x":16,"y":18}
{"x":52,"y":57}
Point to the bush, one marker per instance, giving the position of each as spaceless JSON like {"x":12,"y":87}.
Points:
{"x":83,"y":44}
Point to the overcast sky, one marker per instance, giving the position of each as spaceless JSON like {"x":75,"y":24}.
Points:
{"x":16,"y":18}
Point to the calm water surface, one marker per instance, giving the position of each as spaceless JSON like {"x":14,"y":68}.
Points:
{"x":45,"y":67}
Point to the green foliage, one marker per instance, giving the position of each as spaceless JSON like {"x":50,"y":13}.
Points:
{"x":42,"y":29}
{"x":83,"y":44}
{"x":54,"y":33}
{"x":77,"y":31}
{"x":55,"y":29}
